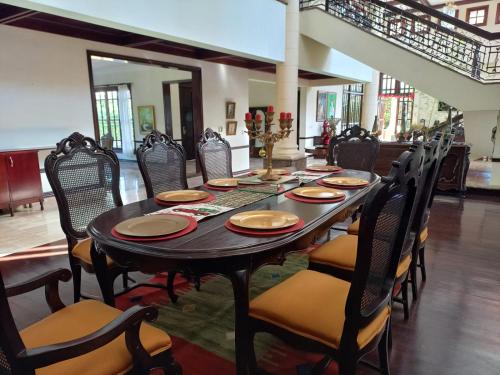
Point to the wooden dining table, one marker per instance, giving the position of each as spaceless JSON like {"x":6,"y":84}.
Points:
{"x":213,"y":249}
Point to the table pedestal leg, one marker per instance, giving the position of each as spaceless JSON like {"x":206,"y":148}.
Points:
{"x":240,"y":280}
{"x":102,"y":274}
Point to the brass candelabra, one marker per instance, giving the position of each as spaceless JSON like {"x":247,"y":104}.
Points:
{"x":267,"y":137}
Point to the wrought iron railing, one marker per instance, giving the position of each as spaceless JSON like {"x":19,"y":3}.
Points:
{"x":425,"y":31}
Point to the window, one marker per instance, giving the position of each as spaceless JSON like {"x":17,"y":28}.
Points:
{"x":497,"y":17}
{"x":477,"y":16}
{"x":108,"y":113}
{"x":352,"y":103}
{"x":449,"y":11}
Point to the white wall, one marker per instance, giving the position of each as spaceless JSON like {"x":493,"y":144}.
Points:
{"x":45,"y":89}
{"x":261,"y":93}
{"x":246,"y":28}
{"x":146,"y":89}
{"x":478,"y":125}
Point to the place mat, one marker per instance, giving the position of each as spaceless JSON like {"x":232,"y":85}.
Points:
{"x":218,"y":188}
{"x":320,"y":182}
{"x":291,"y":195}
{"x":264,"y":233}
{"x":196,"y":211}
{"x":210,"y":198}
{"x":193,"y":224}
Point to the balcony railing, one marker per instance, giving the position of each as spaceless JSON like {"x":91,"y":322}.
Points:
{"x":425,"y":31}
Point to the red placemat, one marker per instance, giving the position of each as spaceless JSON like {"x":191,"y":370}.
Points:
{"x":218,"y":188}
{"x":210,"y":198}
{"x":291,"y":195}
{"x":323,"y":172}
{"x":322,"y":183}
{"x":193,"y":224}
{"x":264,"y":233}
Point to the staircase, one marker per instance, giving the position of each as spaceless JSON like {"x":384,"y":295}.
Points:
{"x":441,"y":55}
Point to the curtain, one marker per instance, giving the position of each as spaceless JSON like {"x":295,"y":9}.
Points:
{"x":126,"y":122}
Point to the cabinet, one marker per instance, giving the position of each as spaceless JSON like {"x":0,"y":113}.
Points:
{"x":20,"y":181}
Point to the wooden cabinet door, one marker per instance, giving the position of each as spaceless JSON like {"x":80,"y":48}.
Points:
{"x":24,"y":175}
{"x":4,"y":183}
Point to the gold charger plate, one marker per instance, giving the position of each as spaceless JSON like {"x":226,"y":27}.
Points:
{"x":182,"y":195}
{"x":152,"y":226}
{"x":323,"y":168}
{"x":318,"y":192}
{"x":223,"y":182}
{"x":345,"y":181}
{"x":275,"y":171}
{"x":265,"y":219}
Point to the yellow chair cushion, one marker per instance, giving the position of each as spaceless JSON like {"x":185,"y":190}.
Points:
{"x":340,"y":252}
{"x":353,"y":228}
{"x":82,"y":252}
{"x":312,"y":304}
{"x":403,"y":266}
{"x":81,"y":319}
{"x":423,"y":235}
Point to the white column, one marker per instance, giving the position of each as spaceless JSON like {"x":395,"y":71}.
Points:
{"x":370,"y":101}
{"x":478,"y":126}
{"x":287,"y":82}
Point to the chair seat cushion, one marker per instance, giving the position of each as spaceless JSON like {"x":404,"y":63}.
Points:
{"x":312,"y":304}
{"x":353,"y":228}
{"x":81,"y":319}
{"x":82,"y":252}
{"x":423,"y":235}
{"x":341,"y":253}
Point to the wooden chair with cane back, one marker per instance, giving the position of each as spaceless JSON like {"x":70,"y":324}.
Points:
{"x":354,"y":148}
{"x":162,"y":163}
{"x":85,"y":181}
{"x":87,"y":337}
{"x":213,"y":154}
{"x":342,"y":320}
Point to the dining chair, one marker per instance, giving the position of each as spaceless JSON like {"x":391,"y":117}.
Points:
{"x":338,"y":256}
{"x":85,"y":181}
{"x":162,"y":163}
{"x":342,"y":320}
{"x":214,"y":156}
{"x":354,"y":148}
{"x":87,"y":337}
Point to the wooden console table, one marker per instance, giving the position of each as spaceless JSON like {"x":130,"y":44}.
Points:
{"x":20,"y":180}
{"x":453,"y":174}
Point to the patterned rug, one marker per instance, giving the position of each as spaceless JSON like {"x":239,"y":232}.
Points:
{"x":202,"y":323}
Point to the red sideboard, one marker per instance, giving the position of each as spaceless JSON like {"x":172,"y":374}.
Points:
{"x":20,"y":180}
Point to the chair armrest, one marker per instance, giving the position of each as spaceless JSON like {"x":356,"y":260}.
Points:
{"x":129,"y":323}
{"x":49,"y":280}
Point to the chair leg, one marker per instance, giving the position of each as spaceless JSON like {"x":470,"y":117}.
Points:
{"x":383,"y":350}
{"x":197,"y":282}
{"x":252,"y":359}
{"x":167,"y":363}
{"x":321,"y":366}
{"x":421,"y":256}
{"x":76,"y":269}
{"x":170,"y":286}
{"x":125,"y":280}
{"x":404,"y":297}
{"x":413,"y":275}
{"x":347,"y":366}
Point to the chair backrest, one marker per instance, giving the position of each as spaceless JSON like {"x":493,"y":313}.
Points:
{"x":162,"y":163}
{"x":446,"y":144}
{"x":214,"y":155}
{"x":425,"y":187}
{"x":384,"y":226}
{"x":85,"y":179}
{"x":10,"y":340}
{"x":354,"y":148}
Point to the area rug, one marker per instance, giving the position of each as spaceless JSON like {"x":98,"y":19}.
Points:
{"x":202,"y":323}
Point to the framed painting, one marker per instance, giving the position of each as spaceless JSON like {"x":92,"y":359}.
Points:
{"x":321,"y":106}
{"x":331,"y":102}
{"x":231,"y":127}
{"x":147,"y":120}
{"x":230,"y":110}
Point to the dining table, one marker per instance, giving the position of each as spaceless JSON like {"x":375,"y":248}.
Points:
{"x":214,"y":249}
